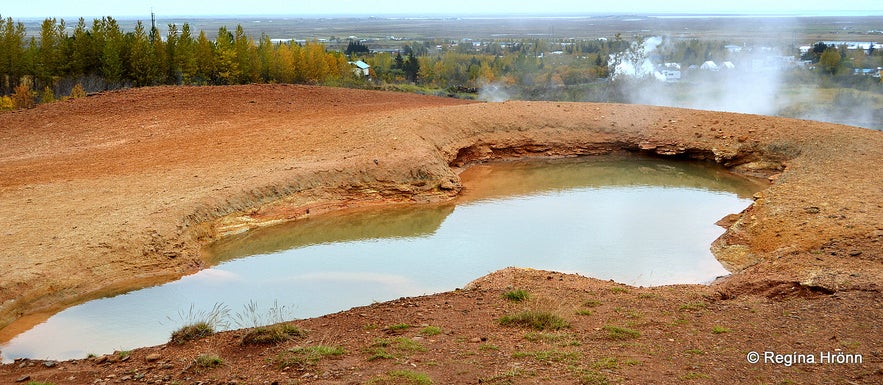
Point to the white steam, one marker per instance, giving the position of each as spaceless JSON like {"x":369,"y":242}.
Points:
{"x":748,"y":84}
{"x":635,"y":62}
{"x":492,"y":92}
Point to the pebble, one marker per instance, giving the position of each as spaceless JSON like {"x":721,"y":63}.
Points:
{"x":23,"y":378}
{"x":153,"y":357}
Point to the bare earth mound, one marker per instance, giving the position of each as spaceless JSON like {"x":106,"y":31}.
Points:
{"x":106,"y":193}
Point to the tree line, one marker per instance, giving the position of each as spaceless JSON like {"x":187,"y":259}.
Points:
{"x":102,"y":56}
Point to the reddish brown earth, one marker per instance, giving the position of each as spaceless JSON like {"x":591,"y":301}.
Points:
{"x":107,"y":193}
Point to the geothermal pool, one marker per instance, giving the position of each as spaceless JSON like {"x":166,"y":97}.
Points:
{"x":634,"y":220}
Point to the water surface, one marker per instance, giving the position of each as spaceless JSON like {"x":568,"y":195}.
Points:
{"x":636,"y":221}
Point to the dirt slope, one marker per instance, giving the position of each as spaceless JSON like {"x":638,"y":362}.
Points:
{"x":105,"y":193}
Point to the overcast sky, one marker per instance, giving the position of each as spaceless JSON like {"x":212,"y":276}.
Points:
{"x":123,"y":8}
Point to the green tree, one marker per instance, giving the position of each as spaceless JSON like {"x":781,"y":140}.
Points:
{"x":185,"y":56}
{"x":226,"y":64}
{"x":204,"y":56}
{"x":829,"y":62}
{"x":246,"y":57}
{"x":82,"y":56}
{"x":142,"y":63}
{"x":411,"y":67}
{"x":50,"y":60}
{"x":12,"y":54}
{"x":161,"y":61}
{"x":110,"y":38}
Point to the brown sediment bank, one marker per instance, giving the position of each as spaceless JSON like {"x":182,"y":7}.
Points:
{"x":102,"y":194}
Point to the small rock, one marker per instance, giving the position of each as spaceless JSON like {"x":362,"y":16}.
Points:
{"x":23,"y":378}
{"x":812,"y":210}
{"x":475,"y":340}
{"x":855,"y":253}
{"x":101,"y":360}
{"x":49,"y":364}
{"x":153,"y":357}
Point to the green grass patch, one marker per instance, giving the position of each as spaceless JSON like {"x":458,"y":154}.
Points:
{"x":621,"y":333}
{"x":618,"y":290}
{"x":539,"y":320}
{"x":591,"y":377}
{"x":516,"y":295}
{"x":431,"y":331}
{"x":613,"y":363}
{"x":695,"y":351}
{"x":545,"y":337}
{"x":377,"y":353}
{"x":400,"y":347}
{"x":398,"y":328}
{"x":401,"y":377}
{"x":716,"y":329}
{"x":606,"y":363}
{"x":307,"y":355}
{"x":208,"y":361}
{"x":693,"y":376}
{"x":558,"y":338}
{"x":583,"y":312}
{"x":506,"y":377}
{"x":550,"y":355}
{"x":488,"y":347}
{"x":192,"y":332}
{"x":592,"y":303}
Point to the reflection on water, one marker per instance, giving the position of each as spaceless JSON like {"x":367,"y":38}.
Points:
{"x":637,"y":221}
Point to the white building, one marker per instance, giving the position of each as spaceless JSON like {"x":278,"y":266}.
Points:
{"x":361,"y":68}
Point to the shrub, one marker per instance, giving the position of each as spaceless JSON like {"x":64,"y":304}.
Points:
{"x":516,"y":295}
{"x":431,"y":331}
{"x":208,"y":361}
{"x":539,"y":320}
{"x":719,"y":329}
{"x":264,"y":336}
{"x":48,"y":95}
{"x":192,"y":332}
{"x":78,"y":91}
{"x":306,"y":356}
{"x":23,"y":97}
{"x":6,"y":103}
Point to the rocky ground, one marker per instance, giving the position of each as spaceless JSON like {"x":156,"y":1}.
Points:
{"x":107,"y":193}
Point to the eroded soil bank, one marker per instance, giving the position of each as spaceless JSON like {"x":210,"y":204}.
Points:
{"x":105,"y":193}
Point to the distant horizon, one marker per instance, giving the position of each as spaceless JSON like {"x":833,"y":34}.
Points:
{"x":765,"y":14}
{"x":41,"y":9}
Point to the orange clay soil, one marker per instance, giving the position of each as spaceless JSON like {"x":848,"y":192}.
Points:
{"x":107,"y":193}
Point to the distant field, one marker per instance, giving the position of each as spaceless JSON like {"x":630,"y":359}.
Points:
{"x":800,"y":30}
